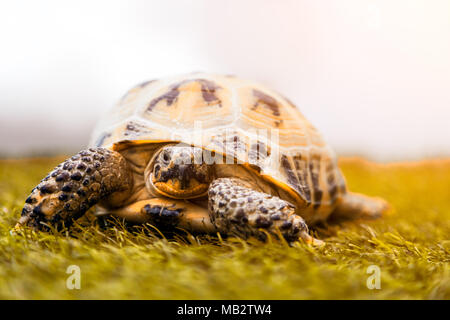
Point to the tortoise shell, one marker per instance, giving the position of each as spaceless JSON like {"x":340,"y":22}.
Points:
{"x":238,"y":118}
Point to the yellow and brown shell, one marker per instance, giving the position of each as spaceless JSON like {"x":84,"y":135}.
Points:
{"x":231,"y":115}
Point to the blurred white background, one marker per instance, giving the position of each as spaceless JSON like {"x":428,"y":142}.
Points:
{"x":372,"y":75}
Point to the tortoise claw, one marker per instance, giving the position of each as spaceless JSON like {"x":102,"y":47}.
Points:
{"x":311,"y":240}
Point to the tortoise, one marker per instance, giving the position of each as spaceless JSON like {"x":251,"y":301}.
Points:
{"x":205,"y":153}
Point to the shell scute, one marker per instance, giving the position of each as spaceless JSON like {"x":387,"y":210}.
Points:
{"x":188,"y":101}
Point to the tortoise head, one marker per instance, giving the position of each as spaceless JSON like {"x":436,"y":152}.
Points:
{"x":179,"y":172}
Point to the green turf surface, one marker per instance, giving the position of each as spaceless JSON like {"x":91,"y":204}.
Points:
{"x":411,"y":246}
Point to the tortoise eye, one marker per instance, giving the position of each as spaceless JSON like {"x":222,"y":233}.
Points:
{"x":165,"y":156}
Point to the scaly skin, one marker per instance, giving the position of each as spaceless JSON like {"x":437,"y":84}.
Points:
{"x":245,"y":212}
{"x":74,"y":186}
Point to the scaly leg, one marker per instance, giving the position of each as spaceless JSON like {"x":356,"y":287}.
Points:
{"x":244,"y":212}
{"x":74,"y":186}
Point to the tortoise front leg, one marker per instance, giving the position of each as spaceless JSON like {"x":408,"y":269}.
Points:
{"x":74,"y":186}
{"x":167,"y":213}
{"x":244,"y":212}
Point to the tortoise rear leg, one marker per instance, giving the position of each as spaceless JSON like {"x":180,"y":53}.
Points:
{"x":166,"y":213}
{"x":243,"y":212}
{"x":359,"y":206}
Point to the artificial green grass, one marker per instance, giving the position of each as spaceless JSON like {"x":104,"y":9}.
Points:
{"x":411,"y":246}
